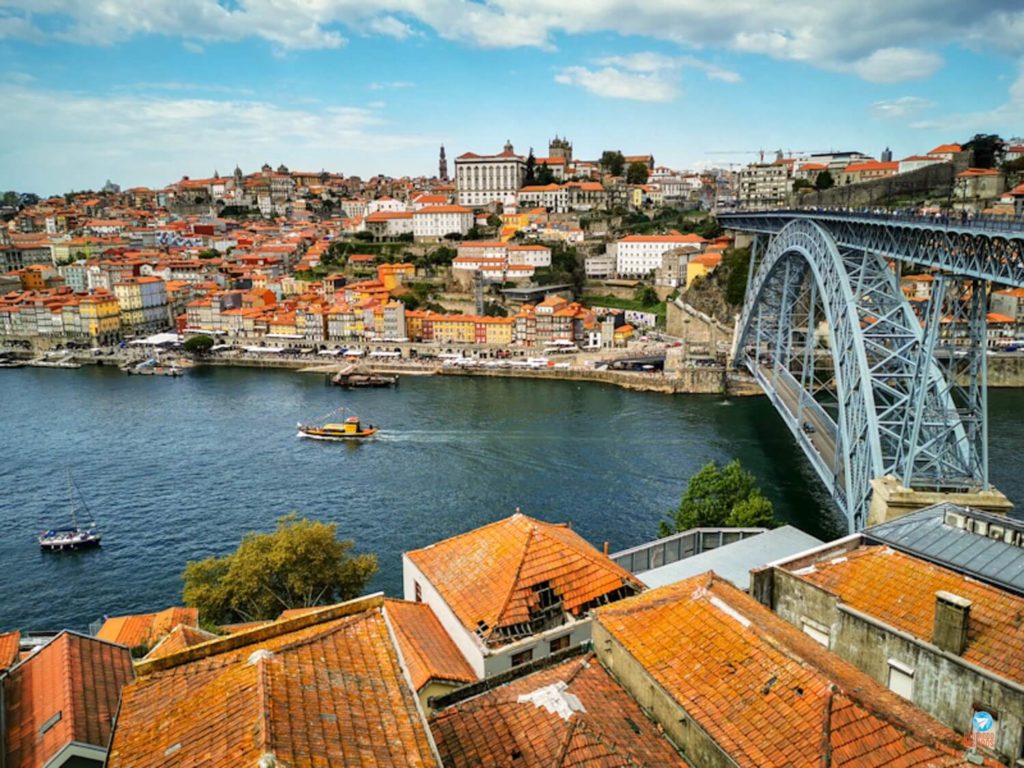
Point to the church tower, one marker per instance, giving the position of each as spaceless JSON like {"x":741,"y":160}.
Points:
{"x":442,"y":166}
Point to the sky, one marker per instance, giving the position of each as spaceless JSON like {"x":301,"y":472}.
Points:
{"x":143,"y":92}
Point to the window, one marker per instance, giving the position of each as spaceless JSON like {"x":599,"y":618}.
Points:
{"x":901,"y":679}
{"x":559,"y":644}
{"x":523,"y":657}
{"x":419,"y":592}
{"x":815,"y":630}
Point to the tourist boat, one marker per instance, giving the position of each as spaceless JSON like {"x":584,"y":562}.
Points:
{"x":359,"y":380}
{"x":350,"y":429}
{"x":74,"y":537}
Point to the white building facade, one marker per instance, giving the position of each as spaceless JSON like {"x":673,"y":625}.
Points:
{"x":485,"y":179}
{"x":434,"y":222}
{"x":639,"y":255}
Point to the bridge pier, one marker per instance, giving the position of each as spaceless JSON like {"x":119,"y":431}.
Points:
{"x":890,"y":500}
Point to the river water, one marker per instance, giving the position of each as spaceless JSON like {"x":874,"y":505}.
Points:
{"x":179,"y":469}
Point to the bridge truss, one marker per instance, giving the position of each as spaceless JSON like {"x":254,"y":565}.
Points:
{"x":868,"y":386}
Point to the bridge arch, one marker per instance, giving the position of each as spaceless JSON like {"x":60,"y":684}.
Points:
{"x":803,"y":253}
{"x":883,"y":405}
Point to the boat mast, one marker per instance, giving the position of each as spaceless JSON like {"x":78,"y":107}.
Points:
{"x":71,"y":500}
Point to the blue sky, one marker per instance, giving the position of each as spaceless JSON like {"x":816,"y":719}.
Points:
{"x":145,"y":91}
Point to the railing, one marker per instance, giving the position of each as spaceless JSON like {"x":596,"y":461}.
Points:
{"x":969,"y":221}
{"x":679,"y":546}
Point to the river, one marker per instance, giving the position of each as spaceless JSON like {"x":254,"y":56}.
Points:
{"x":180,"y":469}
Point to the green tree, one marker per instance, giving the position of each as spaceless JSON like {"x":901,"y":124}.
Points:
{"x":613,"y":162}
{"x":10,"y":198}
{"x":824,"y":180}
{"x":717,"y":497}
{"x":299,"y":565}
{"x":646,"y":295}
{"x":636,"y":173}
{"x":988,"y":148}
{"x":736,"y":261}
{"x":531,"y":169}
{"x":494,"y":221}
{"x":545,"y":175}
{"x":198,"y":345}
{"x":799,"y":184}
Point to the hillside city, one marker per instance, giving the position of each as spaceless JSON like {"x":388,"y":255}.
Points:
{"x":519,"y":642}
{"x":513,"y":252}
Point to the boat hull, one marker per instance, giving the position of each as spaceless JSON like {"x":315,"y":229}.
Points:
{"x":69,"y":544}
{"x":335,"y":437}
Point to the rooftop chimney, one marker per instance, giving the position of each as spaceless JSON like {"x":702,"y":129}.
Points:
{"x":952,"y":617}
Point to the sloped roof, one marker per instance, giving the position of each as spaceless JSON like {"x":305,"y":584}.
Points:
{"x":146,"y":628}
{"x":321,"y":689}
{"x":746,"y":677}
{"x":899,"y":589}
{"x":178,"y":639}
{"x":428,"y":650}
{"x":589,"y":720}
{"x":9,"y":644}
{"x":491,"y":574}
{"x":73,"y":678}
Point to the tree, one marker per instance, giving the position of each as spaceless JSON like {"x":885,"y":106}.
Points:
{"x":494,"y":221}
{"x":636,"y":173}
{"x":988,"y":148}
{"x":301,"y":564}
{"x":531,"y":169}
{"x":799,"y":184}
{"x":726,"y":497}
{"x":198,"y":345}
{"x":646,"y":295}
{"x":545,"y":175}
{"x":10,"y":198}
{"x":824,"y":180}
{"x":613,"y":162}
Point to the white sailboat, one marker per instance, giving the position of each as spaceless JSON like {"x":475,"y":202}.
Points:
{"x":74,"y":537}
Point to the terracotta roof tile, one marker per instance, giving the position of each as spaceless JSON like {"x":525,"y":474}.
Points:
{"x":146,"y":628}
{"x":899,"y":589}
{"x":428,"y":650}
{"x":73,"y":677}
{"x":9,"y":643}
{"x":608,"y":728}
{"x":746,"y":676}
{"x":178,"y":639}
{"x":318,"y":690}
{"x":494,"y":574}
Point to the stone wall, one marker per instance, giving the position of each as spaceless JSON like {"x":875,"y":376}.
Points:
{"x":945,"y":686}
{"x":694,"y":327}
{"x":932,"y":178}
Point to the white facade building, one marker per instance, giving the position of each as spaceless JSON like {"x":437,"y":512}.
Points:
{"x":436,"y":221}
{"x":485,"y":179}
{"x":554,"y":197}
{"x":639,"y":255}
{"x":385,"y":205}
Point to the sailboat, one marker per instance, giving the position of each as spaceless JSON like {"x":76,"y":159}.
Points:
{"x":75,"y":537}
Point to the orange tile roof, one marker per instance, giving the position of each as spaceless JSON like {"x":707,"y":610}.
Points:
{"x":945,"y":149}
{"x":900,"y":590}
{"x":178,"y":639}
{"x":871,"y":165}
{"x":146,"y":628}
{"x":490,"y":574}
{"x":441,"y":209}
{"x":502,"y":728}
{"x":746,"y":677}
{"x":9,"y":643}
{"x":79,"y":678}
{"x":317,"y":690}
{"x":427,"y":649}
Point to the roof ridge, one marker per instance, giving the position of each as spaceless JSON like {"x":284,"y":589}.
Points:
{"x":515,"y":578}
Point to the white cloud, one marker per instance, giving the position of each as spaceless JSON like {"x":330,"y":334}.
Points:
{"x":896,"y":109}
{"x":879,"y":40}
{"x":657,"y":62}
{"x":192,"y":47}
{"x":612,"y":83}
{"x":394,"y":84}
{"x":1004,"y":119}
{"x":153,"y":139}
{"x":893,"y":65}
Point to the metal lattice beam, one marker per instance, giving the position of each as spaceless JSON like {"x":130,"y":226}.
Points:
{"x":879,"y":398}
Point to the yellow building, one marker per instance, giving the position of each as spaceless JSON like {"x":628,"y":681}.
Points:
{"x":456,"y":329}
{"x":101,"y":317}
{"x":498,"y":330}
{"x":700,"y":266}
{"x":393,"y":275}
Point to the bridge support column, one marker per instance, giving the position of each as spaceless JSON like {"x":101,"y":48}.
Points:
{"x":890,"y":500}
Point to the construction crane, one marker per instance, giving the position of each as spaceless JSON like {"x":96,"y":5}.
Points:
{"x":760,"y":152}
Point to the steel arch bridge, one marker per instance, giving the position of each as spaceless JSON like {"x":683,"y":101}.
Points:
{"x":869,"y":385}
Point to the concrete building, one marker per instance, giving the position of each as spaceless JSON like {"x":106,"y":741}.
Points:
{"x":383,"y":224}
{"x":434,"y":222}
{"x":143,"y":303}
{"x":485,"y":179}
{"x":514,"y":591}
{"x":734,"y":686}
{"x":640,"y":255}
{"x":766,"y":185}
{"x":929,"y":605}
{"x":599,"y":266}
{"x":552,"y":197}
